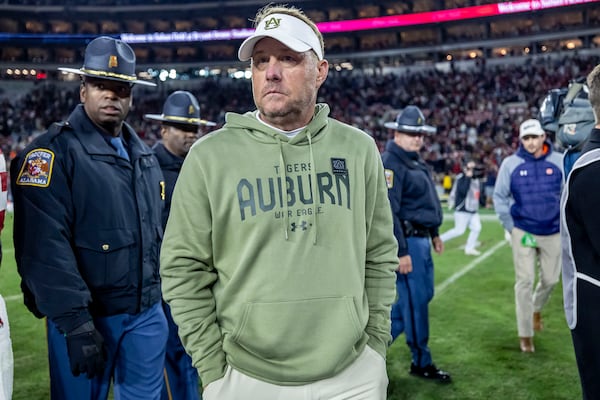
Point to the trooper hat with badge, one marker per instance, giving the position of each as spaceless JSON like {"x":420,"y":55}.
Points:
{"x":109,"y":58}
{"x":180,"y":109}
{"x":411,"y":121}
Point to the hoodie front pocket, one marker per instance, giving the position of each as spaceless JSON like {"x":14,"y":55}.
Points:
{"x":296,"y":339}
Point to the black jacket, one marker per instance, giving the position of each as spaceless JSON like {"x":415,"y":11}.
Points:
{"x":171,"y":166}
{"x":87,"y":228}
{"x":412,"y":193}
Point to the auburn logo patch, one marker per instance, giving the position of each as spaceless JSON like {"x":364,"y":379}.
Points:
{"x":389,"y":178}
{"x":37,"y":168}
{"x":272,"y":23}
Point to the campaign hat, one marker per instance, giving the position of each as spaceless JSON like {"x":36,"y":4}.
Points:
{"x":411,"y":121}
{"x":181,"y":107}
{"x":109,"y":58}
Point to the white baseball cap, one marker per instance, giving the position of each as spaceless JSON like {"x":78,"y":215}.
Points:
{"x":531,"y":127}
{"x":289,"y":30}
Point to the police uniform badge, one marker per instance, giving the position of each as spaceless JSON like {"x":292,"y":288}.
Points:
{"x":37,"y":168}
{"x":389,"y":178}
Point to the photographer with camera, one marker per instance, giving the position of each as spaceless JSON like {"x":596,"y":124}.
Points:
{"x":464,"y":200}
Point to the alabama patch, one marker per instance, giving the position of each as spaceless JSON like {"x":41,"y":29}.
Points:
{"x":37,"y":168}
{"x":389,"y":178}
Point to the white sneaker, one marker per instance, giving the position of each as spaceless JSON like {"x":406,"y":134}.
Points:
{"x":472,"y":252}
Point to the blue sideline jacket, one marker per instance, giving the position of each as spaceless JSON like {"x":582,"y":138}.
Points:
{"x":527,"y":191}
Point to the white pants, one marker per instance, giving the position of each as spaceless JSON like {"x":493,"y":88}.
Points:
{"x":365,"y":379}
{"x":462,"y":220}
{"x":6,"y":355}
{"x":528,"y":300}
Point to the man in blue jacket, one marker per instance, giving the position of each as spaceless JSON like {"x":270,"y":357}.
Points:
{"x":180,"y":122}
{"x":88,"y":197}
{"x":527,"y":202}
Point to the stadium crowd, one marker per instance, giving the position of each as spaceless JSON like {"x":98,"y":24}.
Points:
{"x":477,"y":111}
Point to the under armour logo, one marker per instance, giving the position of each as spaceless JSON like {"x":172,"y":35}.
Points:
{"x":272,"y":23}
{"x":303,"y":225}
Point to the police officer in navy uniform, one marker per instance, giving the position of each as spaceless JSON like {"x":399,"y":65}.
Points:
{"x":88,"y":198}
{"x":180,"y":123}
{"x":417,"y":215}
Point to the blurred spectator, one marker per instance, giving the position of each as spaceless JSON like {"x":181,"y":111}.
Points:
{"x":464,"y":200}
{"x":477,"y":112}
{"x":490,"y":182}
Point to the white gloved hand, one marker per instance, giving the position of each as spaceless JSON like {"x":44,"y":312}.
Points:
{"x":507,"y":236}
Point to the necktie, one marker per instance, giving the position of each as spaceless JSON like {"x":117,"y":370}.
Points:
{"x":118,"y":144}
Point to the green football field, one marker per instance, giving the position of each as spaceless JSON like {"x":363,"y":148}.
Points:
{"x":473,"y":332}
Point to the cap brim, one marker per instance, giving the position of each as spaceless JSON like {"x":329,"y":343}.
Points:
{"x":411,"y":130}
{"x":161,"y":118}
{"x":391,"y":125}
{"x":80,"y":72}
{"x":531,"y":134}
{"x":247,"y":47}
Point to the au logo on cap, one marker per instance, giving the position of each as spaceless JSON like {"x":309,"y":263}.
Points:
{"x":113,"y":62}
{"x":272,"y":23}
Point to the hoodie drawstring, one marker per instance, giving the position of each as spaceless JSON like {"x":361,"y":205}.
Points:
{"x":313,"y":186}
{"x":282,"y":177}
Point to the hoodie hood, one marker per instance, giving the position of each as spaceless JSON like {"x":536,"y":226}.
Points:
{"x":262,"y":133}
{"x":546,"y":151}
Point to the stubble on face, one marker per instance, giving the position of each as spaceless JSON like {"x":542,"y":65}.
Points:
{"x":408,"y":142}
{"x":106,"y":102}
{"x":284,"y":84}
{"x":534,"y":145}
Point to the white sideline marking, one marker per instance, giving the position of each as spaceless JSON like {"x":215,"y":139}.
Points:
{"x":454,"y":277}
{"x":14,"y":297}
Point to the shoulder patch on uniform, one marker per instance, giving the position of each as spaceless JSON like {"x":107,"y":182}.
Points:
{"x":37,"y":168}
{"x":389,"y":178}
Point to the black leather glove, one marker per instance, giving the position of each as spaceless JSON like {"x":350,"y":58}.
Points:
{"x":87,"y":354}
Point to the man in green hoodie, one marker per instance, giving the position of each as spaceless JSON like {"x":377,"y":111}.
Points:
{"x":279,"y":255}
